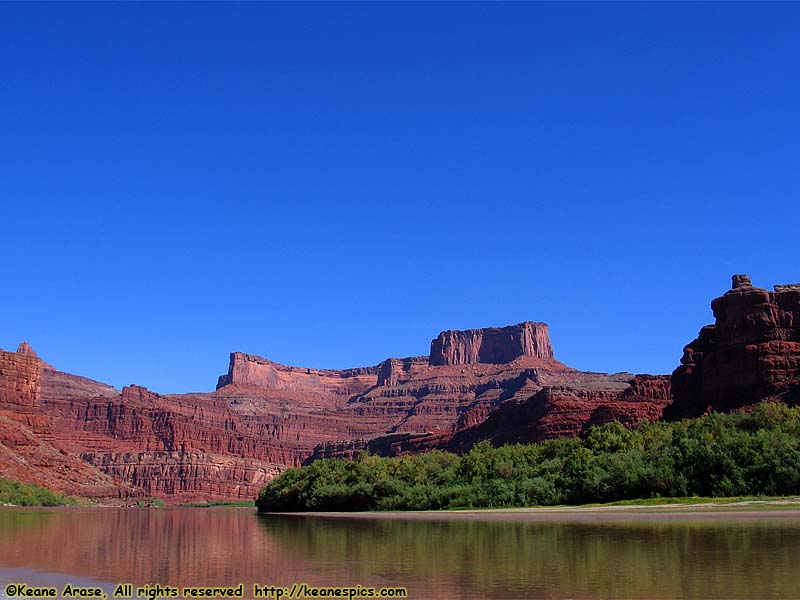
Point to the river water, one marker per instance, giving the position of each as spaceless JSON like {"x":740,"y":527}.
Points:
{"x":645,"y":558}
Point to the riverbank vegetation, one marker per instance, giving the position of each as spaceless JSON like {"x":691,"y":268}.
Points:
{"x":719,"y":455}
{"x":220,"y":504}
{"x":16,"y":493}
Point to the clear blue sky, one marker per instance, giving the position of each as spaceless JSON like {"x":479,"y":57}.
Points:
{"x":327,"y":185}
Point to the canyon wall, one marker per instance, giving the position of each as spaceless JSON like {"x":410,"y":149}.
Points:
{"x":751,"y":353}
{"x":567,"y":408}
{"x":558,"y":411}
{"x":29,"y":449}
{"x":501,"y":384}
{"x":264,"y":417}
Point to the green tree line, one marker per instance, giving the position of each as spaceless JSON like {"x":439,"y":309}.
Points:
{"x":719,"y":455}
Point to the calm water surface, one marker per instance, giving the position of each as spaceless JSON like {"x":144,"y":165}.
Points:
{"x":721,"y":558}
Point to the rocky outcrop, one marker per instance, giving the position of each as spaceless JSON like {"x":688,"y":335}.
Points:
{"x":20,"y":378}
{"x":393,"y":370}
{"x":751,"y":353}
{"x":24,"y":348}
{"x":29,"y":450}
{"x":496,"y":345}
{"x":187,"y":475}
{"x":249,"y":371}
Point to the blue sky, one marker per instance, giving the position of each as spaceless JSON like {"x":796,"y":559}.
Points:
{"x":327,"y":185}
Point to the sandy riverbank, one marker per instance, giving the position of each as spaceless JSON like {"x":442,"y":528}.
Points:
{"x":768,"y":509}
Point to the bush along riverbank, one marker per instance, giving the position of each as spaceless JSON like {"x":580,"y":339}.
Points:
{"x":719,"y":455}
{"x":16,"y":493}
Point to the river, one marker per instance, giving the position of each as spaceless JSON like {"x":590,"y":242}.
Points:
{"x":726,"y":557}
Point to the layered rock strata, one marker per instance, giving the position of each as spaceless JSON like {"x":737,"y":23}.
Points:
{"x":495,"y":345}
{"x":567,"y":409}
{"x":29,"y":450}
{"x":751,"y":352}
{"x":264,"y":417}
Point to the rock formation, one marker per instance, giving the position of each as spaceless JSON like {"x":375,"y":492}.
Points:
{"x":20,"y":378}
{"x":25,"y":349}
{"x":496,"y":345}
{"x":569,"y":410}
{"x":265,"y":416}
{"x":581,"y":401}
{"x":188,"y":447}
{"x":29,"y":450}
{"x":248,"y":371}
{"x":87,"y":438}
{"x":750,"y":354}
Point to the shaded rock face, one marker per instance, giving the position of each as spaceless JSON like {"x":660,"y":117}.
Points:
{"x":495,"y":345}
{"x":751,"y":352}
{"x":391,"y":445}
{"x":568,"y":409}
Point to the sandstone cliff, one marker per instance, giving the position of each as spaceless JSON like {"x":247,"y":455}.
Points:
{"x":265,"y":416}
{"x":29,"y":449}
{"x":568,"y":408}
{"x":493,"y":345}
{"x":20,"y":378}
{"x":751,"y":352}
{"x":248,"y":371}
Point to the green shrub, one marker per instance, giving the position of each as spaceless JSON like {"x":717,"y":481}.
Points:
{"x":28,"y":494}
{"x":737,"y":454}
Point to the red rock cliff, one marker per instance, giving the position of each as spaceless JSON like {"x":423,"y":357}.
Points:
{"x":247,"y":370}
{"x":264,"y":416}
{"x":20,"y":377}
{"x":495,"y":345}
{"x":580,"y":401}
{"x":28,"y":447}
{"x":751,"y":352}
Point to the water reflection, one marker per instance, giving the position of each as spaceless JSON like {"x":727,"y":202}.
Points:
{"x":665,"y":559}
{"x":434,"y":559}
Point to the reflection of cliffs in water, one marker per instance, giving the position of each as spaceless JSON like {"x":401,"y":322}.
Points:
{"x":168,"y":546}
{"x":667,"y":559}
{"x":433,"y":559}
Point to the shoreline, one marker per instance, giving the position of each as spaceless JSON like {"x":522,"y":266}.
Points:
{"x":745,"y":510}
